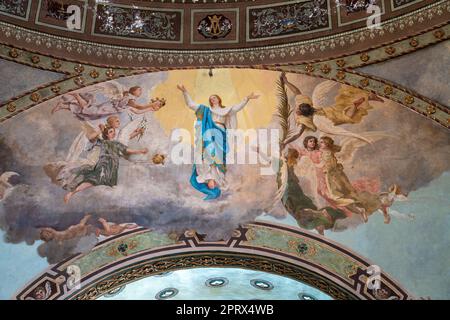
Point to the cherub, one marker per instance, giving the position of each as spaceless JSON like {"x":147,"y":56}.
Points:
{"x":84,"y":106}
{"x":79,"y":230}
{"x":112,"y":229}
{"x":41,"y":292}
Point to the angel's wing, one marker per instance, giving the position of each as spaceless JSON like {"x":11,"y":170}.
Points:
{"x":325,"y":125}
{"x":125,"y":132}
{"x":111,"y":89}
{"x":349,"y":145}
{"x":324,"y":94}
{"x":81,"y":142}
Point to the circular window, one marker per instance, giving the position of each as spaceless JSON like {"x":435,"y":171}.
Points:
{"x":114,"y":292}
{"x":261,"y":284}
{"x":306,"y":296}
{"x":216,"y":282}
{"x":166,"y":294}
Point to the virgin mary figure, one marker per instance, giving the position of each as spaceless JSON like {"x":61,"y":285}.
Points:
{"x":213,"y":121}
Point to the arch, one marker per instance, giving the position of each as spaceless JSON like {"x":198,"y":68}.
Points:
{"x":278,"y":249}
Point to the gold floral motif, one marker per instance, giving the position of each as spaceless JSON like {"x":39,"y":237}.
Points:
{"x":122,"y":248}
{"x":340,"y":63}
{"x":94,"y":74}
{"x":35,"y":97}
{"x":390,"y":50}
{"x":388,"y":90}
{"x":11,"y":107}
{"x":409,"y":99}
{"x":309,"y":68}
{"x":325,"y":68}
{"x":13,"y":53}
{"x":56,"y":64}
{"x":439,"y":34}
{"x":340,"y":75}
{"x":364,"y":57}
{"x":110,"y":73}
{"x":55,"y":89}
{"x":414,"y":42}
{"x":79,"y":81}
{"x":364,"y":82}
{"x":431,"y":109}
{"x":78,"y":68}
{"x":35,"y":59}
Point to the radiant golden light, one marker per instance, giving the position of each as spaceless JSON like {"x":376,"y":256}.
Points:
{"x":232,"y":85}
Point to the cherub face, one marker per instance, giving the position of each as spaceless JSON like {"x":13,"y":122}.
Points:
{"x":157,"y":105}
{"x":39,"y":294}
{"x":137,"y":92}
{"x":111,"y":134}
{"x":311,"y":145}
{"x":322,"y":144}
{"x":115,"y":123}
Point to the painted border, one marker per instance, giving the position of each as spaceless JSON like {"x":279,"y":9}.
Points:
{"x":247,"y":24}
{"x":83,"y":26}
{"x":136,"y":39}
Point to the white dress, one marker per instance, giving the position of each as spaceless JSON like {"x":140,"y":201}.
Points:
{"x":224,"y":117}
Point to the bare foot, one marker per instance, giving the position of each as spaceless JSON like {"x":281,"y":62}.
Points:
{"x":364,"y":215}
{"x":67,"y":197}
{"x":387,"y":219}
{"x":101,"y":220}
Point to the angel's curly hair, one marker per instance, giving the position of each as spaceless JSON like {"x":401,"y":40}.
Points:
{"x":305,"y":142}
{"x":330,"y":144}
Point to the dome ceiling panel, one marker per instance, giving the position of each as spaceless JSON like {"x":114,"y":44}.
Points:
{"x":425,"y":77}
{"x":143,"y":32}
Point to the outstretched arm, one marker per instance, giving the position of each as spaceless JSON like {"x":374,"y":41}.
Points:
{"x":187,"y":98}
{"x":136,"y":106}
{"x":292,"y":87}
{"x":137,"y":151}
{"x":243,"y":103}
{"x":293,"y":138}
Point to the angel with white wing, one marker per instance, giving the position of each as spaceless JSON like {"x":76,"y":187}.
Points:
{"x":313,"y":114}
{"x":85,"y":107}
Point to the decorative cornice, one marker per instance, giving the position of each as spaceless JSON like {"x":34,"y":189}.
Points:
{"x":293,"y":253}
{"x":324,"y":47}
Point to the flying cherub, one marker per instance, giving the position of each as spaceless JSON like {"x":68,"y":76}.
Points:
{"x":313,"y":114}
{"x":84,"y":106}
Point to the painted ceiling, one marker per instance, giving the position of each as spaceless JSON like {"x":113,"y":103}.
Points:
{"x":347,"y":196}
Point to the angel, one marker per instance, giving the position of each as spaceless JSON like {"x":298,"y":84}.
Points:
{"x":105,"y":170}
{"x":112,"y":229}
{"x":84,"y":106}
{"x":5,"y":184}
{"x":79,"y":230}
{"x":351,"y":105}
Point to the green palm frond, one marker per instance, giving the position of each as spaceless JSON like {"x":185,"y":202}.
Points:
{"x":283,"y":110}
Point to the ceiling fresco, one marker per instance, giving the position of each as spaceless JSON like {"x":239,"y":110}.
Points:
{"x":266,"y":150}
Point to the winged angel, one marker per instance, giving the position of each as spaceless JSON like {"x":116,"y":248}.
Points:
{"x":85,"y":106}
{"x":313,"y":185}
{"x":93,"y":158}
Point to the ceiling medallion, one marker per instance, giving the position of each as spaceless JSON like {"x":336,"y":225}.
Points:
{"x":166,"y":294}
{"x":35,"y":97}
{"x":261,"y":284}
{"x":216,"y":282}
{"x":215,"y":26}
